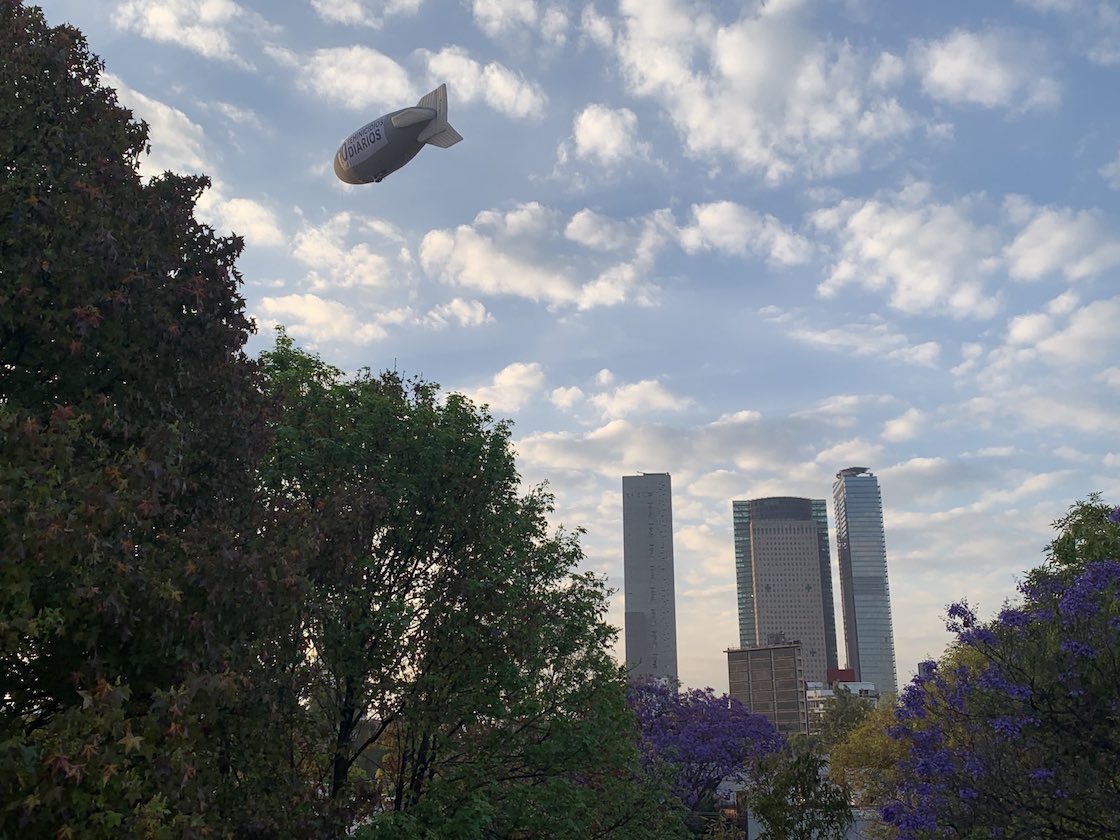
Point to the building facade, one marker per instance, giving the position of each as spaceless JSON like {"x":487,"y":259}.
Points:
{"x":865,"y":593}
{"x":784,"y":578}
{"x":648,"y":584}
{"x":770,"y":680}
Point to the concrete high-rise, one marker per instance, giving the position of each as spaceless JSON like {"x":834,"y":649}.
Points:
{"x":647,"y":560}
{"x":784,"y":578}
{"x":770,"y":680}
{"x":865,"y":592}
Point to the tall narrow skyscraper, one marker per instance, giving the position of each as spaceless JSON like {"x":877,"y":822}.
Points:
{"x":647,"y":560}
{"x":784,"y":578}
{"x":865,"y":591}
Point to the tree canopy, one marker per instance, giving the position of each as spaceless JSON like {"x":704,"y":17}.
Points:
{"x":127,"y":551}
{"x":700,"y":739}
{"x":453,"y":660}
{"x":258,"y":599}
{"x":1015,"y":732}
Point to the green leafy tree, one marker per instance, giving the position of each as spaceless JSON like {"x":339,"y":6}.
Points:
{"x":454,"y":667}
{"x":865,"y":763}
{"x":793,"y":798}
{"x":130,"y":426}
{"x":840,"y":714}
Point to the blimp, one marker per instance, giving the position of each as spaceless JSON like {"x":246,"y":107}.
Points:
{"x":385,"y":145}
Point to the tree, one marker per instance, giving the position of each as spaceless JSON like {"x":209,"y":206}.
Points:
{"x":130,"y":426}
{"x":865,"y":763}
{"x":453,"y":666}
{"x":792,"y":797}
{"x":699,"y":738}
{"x":841,"y":713}
{"x":1015,"y":735}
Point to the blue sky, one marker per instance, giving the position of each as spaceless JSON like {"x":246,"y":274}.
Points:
{"x":746,"y":243}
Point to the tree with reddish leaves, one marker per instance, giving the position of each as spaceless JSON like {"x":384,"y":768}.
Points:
{"x":131,"y":422}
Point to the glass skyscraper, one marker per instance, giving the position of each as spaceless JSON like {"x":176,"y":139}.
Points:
{"x":783,"y":576}
{"x":647,"y":560}
{"x":865,"y":592}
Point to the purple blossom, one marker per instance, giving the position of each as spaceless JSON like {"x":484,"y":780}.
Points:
{"x":1013,"y":618}
{"x":1114,"y":516}
{"x":1077,"y":648}
{"x":995,"y":721}
{"x":702,"y":737}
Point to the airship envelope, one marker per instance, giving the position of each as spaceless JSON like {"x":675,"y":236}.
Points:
{"x":389,"y":142}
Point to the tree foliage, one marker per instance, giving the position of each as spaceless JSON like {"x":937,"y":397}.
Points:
{"x":454,"y":666}
{"x":1016,"y":733}
{"x":840,"y":714}
{"x":126,"y":487}
{"x":258,"y":600}
{"x":700,"y":739}
{"x":865,"y":763}
{"x":793,"y":798}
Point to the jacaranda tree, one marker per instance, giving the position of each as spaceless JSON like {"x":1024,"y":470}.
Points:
{"x":699,"y":738}
{"x":1016,"y":733}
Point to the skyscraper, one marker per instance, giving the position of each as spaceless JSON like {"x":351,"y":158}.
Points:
{"x":864,"y":588}
{"x":647,"y":560}
{"x":784,"y":578}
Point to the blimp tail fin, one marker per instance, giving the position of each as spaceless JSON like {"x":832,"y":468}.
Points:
{"x":438,"y":132}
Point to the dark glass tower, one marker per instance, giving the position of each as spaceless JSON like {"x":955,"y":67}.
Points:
{"x":864,"y":587}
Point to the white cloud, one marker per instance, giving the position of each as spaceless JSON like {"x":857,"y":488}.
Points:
{"x":494,"y":84}
{"x":1029,"y":329}
{"x":176,"y":141}
{"x":1095,"y":25}
{"x":904,"y":427}
{"x":606,"y":137}
{"x":527,"y":252}
{"x":801,"y":104}
{"x":177,"y":144}
{"x":1111,"y":173}
{"x":501,"y":18}
{"x":243,"y":216}
{"x":217,"y":29}
{"x":598,"y":232}
{"x":733,"y":229}
{"x":874,"y":337}
{"x":465,"y":313}
{"x":1092,"y":335}
{"x":332,"y":263}
{"x":1078,"y":244}
{"x":1109,"y":377}
{"x":855,"y":451}
{"x":927,"y":256}
{"x":994,"y":69}
{"x":358,"y":78}
{"x":363,"y":12}
{"x":566,"y":398}
{"x":511,"y":388}
{"x":318,"y":320}
{"x":596,"y":28}
{"x":646,"y":396}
